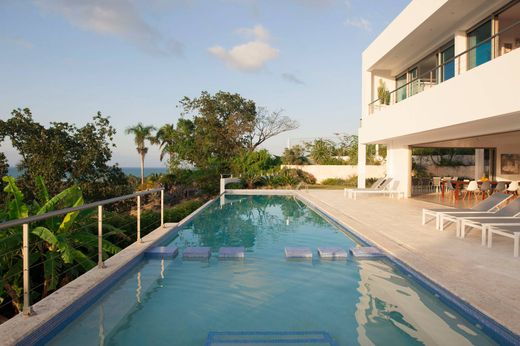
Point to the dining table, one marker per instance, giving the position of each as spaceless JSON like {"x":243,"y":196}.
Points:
{"x":458,"y":184}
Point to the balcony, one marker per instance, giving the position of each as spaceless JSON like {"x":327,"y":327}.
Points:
{"x":486,"y":50}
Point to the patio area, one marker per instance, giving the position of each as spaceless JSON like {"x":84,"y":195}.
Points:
{"x":486,"y":278}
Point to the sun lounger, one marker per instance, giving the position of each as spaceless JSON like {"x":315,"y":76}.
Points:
{"x":390,"y":190}
{"x":510,"y":231}
{"x":507,"y":215}
{"x":377,"y":185}
{"x":489,"y":204}
{"x":510,"y":210}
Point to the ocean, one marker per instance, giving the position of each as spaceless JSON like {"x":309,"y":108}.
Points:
{"x":127,"y":170}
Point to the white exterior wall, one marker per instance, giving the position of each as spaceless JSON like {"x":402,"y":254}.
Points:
{"x":322,"y":172}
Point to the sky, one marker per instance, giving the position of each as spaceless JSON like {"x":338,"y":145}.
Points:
{"x":134,"y":60}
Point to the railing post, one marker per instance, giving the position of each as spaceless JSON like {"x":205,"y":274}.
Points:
{"x":139,"y":218}
{"x":100,"y":237}
{"x":27,"y":309}
{"x":162,"y":208}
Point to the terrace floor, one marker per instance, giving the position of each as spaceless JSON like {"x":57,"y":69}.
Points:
{"x":488,"y":279}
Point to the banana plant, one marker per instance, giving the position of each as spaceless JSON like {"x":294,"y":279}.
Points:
{"x":60,"y":247}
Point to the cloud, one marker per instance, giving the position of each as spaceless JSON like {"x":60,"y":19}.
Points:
{"x":360,"y":23}
{"x":249,"y":56}
{"x":291,"y":78}
{"x":119,"y":19}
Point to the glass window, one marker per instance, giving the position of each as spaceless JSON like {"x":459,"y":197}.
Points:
{"x":414,"y":85}
{"x":448,"y":65}
{"x":401,"y":89}
{"x":477,"y":38}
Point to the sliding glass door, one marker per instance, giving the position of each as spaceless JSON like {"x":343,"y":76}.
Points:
{"x":447,"y":70}
{"x":477,"y":38}
{"x":401,"y":88}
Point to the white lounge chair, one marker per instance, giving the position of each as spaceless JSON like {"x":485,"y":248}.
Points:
{"x":510,"y":210}
{"x":390,"y":189}
{"x":379,"y":184}
{"x":487,"y":205}
{"x":510,"y":231}
{"x":507,"y":215}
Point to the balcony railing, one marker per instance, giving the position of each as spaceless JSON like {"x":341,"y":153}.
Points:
{"x":460,"y":62}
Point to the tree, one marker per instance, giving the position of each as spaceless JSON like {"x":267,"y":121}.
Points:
{"x":141,"y":135}
{"x":321,"y":151}
{"x":294,"y":155}
{"x":268,"y":125}
{"x":221,"y":127}
{"x":57,"y":248}
{"x":4,"y":166}
{"x":251,"y":165}
{"x":64,"y":155}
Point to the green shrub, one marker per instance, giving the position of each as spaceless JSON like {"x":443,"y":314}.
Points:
{"x":334,"y":181}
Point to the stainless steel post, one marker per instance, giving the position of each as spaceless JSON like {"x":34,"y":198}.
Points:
{"x":162,"y":208}
{"x":27,"y":310}
{"x":138,"y":219}
{"x":100,"y":237}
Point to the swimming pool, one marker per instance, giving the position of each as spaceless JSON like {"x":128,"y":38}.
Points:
{"x":179,"y":302}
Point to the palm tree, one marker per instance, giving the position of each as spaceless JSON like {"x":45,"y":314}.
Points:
{"x":166,"y":139}
{"x":142,"y":134}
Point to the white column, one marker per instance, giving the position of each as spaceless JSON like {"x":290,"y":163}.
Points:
{"x":362,"y":165}
{"x":479,"y":163}
{"x":399,"y":167}
{"x":461,"y":45}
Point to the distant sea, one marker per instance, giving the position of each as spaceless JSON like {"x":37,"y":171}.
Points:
{"x":127,"y":170}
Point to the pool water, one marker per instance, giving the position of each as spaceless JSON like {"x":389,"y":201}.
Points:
{"x":176,"y":302}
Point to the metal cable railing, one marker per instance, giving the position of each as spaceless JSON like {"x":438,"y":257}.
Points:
{"x":24,"y":252}
{"x":432,"y":77}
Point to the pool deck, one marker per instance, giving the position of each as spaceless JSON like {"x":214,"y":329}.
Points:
{"x":488,"y":279}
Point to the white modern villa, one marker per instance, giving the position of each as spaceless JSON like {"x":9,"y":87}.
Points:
{"x":451,"y":70}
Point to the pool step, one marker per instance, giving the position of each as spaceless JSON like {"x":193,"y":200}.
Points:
{"x":235,"y":253}
{"x":332,"y":253}
{"x":270,"y":338}
{"x":196,"y":253}
{"x":366,"y":252}
{"x":298,"y":253}
{"x":162,"y":252}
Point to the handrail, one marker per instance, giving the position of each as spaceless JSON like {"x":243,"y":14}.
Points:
{"x":429,"y":72}
{"x":41,"y":217}
{"x":27,"y":308}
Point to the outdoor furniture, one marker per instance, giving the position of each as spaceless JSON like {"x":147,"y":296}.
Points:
{"x":513,"y":188}
{"x":378,"y":185}
{"x":387,"y":190}
{"x":478,"y":220}
{"x":436,"y":184}
{"x":500,"y":187}
{"x":510,"y":231}
{"x":487,"y":205}
{"x":472,"y":189}
{"x":459,"y":186}
{"x":485,"y":188}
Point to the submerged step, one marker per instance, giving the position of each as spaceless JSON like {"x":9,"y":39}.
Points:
{"x":232,"y":252}
{"x":366,"y":252}
{"x":197,"y":252}
{"x":270,"y":338}
{"x":298,"y":252}
{"x":332,"y":253}
{"x":162,"y":252}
